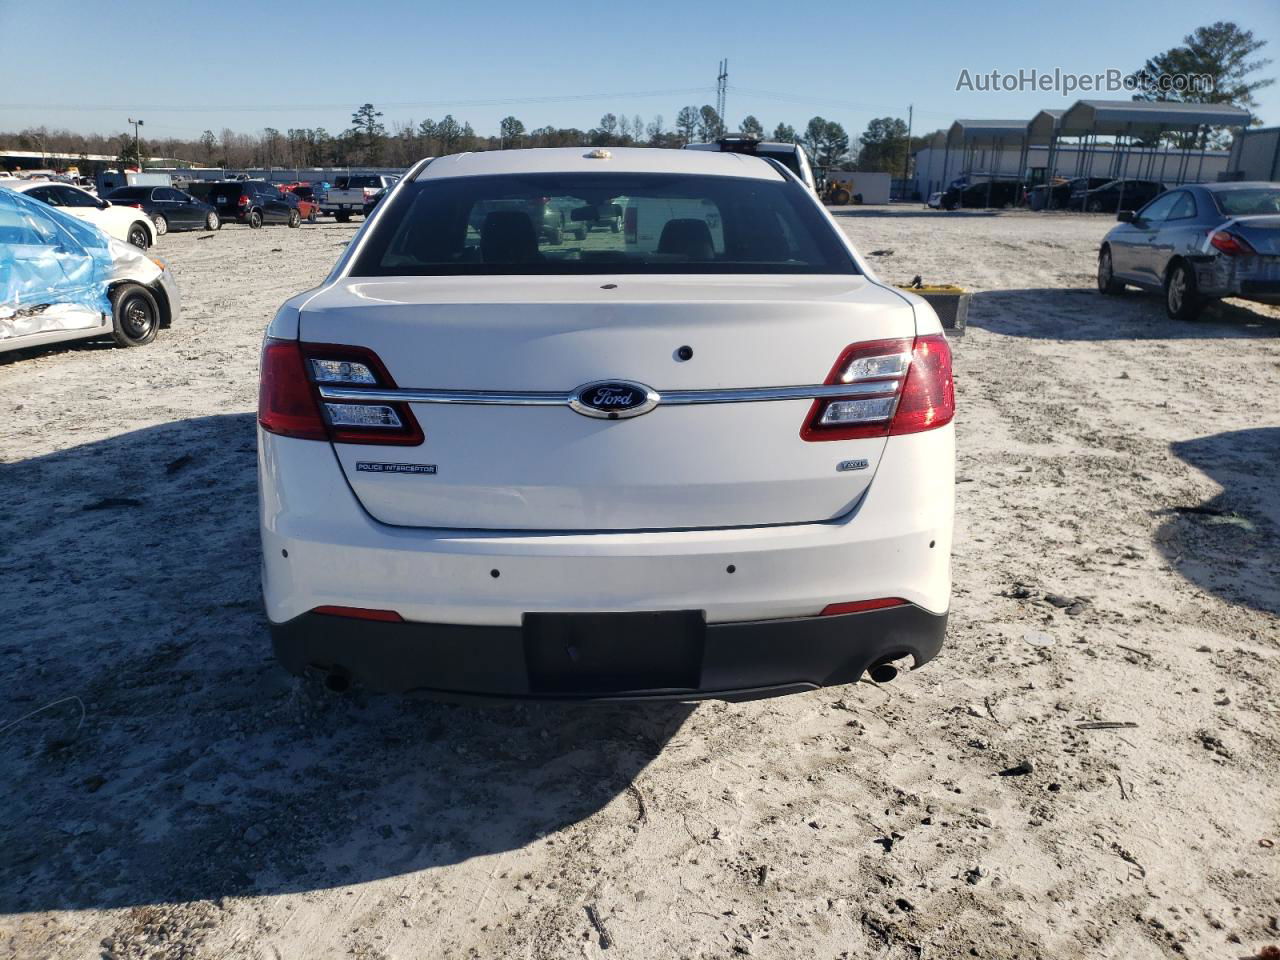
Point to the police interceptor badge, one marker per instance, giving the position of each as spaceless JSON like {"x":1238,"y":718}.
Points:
{"x":363,"y":466}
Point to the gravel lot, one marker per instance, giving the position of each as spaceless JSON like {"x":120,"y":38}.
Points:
{"x":1117,"y":560}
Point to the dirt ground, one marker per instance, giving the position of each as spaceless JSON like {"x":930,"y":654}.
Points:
{"x":1117,"y":560}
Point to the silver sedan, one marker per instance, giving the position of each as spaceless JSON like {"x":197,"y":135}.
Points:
{"x":1198,"y":243}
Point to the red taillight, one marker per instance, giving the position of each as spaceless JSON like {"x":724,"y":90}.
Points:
{"x":289,"y":401}
{"x":929,"y":396}
{"x":244,"y":200}
{"x":286,"y":400}
{"x":861,"y":606}
{"x":902,"y":386}
{"x":1230,"y":244}
{"x":361,"y":613}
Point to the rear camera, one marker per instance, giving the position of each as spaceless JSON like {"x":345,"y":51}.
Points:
{"x":684,"y":353}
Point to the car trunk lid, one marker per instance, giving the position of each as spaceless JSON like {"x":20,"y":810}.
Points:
{"x":516,"y":466}
{"x":1262,"y":232}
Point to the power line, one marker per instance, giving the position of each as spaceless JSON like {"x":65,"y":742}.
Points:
{"x":805,"y":99}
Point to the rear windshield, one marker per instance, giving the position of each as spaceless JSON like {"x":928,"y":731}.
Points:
{"x":1248,"y":202}
{"x":601,"y":223}
{"x":227,"y":192}
{"x":358,"y":183}
{"x":130,"y":193}
{"x":788,"y":158}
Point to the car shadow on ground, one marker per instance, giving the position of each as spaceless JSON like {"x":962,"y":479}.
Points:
{"x":1058,"y":313}
{"x":88,"y":345}
{"x":199,"y":769}
{"x":907,"y":211}
{"x":1229,"y":544}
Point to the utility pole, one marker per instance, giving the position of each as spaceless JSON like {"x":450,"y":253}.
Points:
{"x":137,"y":148}
{"x":906,"y":159}
{"x":722,"y":90}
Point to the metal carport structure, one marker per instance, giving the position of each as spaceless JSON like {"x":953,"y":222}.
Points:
{"x":972,"y":135}
{"x":1042,"y":131}
{"x":1137,"y":127}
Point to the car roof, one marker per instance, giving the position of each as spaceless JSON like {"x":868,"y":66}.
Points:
{"x":745,"y":145}
{"x":1238,"y":185}
{"x":21,"y":186}
{"x":585,"y":160}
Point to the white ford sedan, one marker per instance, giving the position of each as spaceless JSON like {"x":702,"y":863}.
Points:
{"x":588,"y":424}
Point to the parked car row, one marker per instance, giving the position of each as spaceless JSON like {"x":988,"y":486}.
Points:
{"x":142,"y":213}
{"x":1089,"y":194}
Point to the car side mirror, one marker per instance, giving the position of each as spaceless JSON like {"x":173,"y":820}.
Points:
{"x":103,"y":204}
{"x":1126,"y":216}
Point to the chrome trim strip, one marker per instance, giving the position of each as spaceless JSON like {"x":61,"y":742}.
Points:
{"x":535,"y":398}
{"x":407,"y":395}
{"x":765,"y":394}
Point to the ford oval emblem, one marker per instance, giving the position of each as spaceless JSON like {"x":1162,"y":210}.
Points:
{"x":613,"y":399}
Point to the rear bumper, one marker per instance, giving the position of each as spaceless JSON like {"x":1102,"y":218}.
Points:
{"x":730,"y":661}
{"x":1250,"y":278}
{"x":320,"y":548}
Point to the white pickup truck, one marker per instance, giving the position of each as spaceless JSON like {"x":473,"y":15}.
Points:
{"x":348,"y":193}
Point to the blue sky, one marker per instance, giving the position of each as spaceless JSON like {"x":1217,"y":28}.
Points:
{"x":185,"y":66}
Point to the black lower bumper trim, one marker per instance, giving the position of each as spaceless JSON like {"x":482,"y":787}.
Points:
{"x":731,"y":661}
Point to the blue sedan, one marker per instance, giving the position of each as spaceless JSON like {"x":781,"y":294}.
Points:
{"x":1198,"y":243}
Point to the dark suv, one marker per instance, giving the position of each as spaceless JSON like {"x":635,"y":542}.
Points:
{"x":254,"y":202}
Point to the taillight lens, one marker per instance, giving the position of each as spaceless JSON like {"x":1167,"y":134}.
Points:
{"x":904,"y":387}
{"x":289,"y":403}
{"x":286,"y":400}
{"x":929,"y":396}
{"x":244,"y":200}
{"x":1230,"y":244}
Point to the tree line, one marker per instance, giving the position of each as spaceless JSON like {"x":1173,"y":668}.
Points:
{"x":1222,"y":50}
{"x":370,"y":140}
